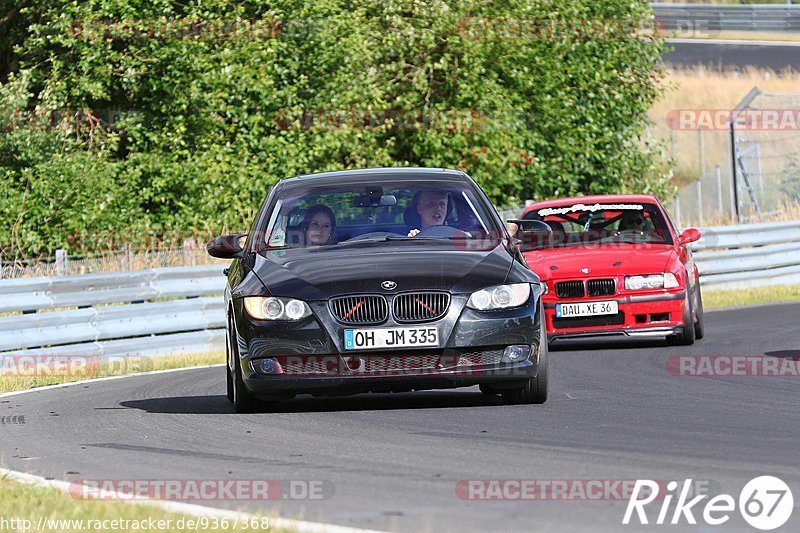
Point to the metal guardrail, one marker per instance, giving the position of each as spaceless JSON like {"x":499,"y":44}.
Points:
{"x":781,"y":18}
{"x":180,"y":310}
{"x":146,"y":312}
{"x":749,"y":255}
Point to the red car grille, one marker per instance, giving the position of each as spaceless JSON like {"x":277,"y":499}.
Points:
{"x":593,"y":287}
{"x":601,"y":287}
{"x":569,"y":289}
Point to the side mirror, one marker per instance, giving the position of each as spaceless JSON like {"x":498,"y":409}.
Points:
{"x":689,"y":235}
{"x":226,"y":246}
{"x":531,"y":233}
{"x":531,"y":227}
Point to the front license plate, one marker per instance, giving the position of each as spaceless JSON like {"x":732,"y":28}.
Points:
{"x":357,"y":339}
{"x":586,"y":309}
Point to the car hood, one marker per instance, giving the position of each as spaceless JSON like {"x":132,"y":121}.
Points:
{"x":602,"y":260}
{"x":314,"y":274}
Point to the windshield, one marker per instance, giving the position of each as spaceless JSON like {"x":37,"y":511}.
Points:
{"x":579,"y":224}
{"x":342,"y":215}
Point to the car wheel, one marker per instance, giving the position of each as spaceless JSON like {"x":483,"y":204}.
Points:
{"x":228,"y":376}
{"x":243,"y":400}
{"x":535,"y":389}
{"x":229,"y":383}
{"x":687,"y":336}
{"x":698,"y":325}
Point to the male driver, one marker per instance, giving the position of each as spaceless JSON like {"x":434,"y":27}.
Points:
{"x":431,"y":206}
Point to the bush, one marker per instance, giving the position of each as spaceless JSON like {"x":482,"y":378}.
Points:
{"x":161,"y":134}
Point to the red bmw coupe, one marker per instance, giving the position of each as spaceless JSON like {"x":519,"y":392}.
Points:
{"x":615,"y":265}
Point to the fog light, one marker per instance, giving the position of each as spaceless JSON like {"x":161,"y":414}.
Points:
{"x":265,"y":366}
{"x":516,"y":353}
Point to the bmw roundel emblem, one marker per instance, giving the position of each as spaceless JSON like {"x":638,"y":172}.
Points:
{"x":389,"y":285}
{"x":585,"y":270}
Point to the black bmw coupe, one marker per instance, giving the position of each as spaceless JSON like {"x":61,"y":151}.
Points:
{"x":380,"y":280}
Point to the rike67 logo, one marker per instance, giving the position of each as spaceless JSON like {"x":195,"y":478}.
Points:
{"x":765,"y":503}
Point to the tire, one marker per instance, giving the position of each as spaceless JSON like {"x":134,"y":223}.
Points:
{"x":243,"y":400}
{"x":229,"y":383}
{"x":699,"y":329}
{"x":228,"y":375}
{"x":686,"y":338}
{"x":535,"y":389}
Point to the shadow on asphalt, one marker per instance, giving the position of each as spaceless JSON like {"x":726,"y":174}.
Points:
{"x":309,"y":404}
{"x":785,"y":354}
{"x":610,"y":343}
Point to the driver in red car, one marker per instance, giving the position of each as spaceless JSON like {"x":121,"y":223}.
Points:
{"x":431,"y":206}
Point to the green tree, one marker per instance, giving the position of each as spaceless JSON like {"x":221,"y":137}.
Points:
{"x":152,"y":130}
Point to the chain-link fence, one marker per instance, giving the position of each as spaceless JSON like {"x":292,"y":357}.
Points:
{"x":760,"y":180}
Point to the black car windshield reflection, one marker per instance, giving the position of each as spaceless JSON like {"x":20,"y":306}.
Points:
{"x":341,"y":216}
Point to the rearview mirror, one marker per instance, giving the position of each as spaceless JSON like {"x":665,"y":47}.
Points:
{"x":386,"y":200}
{"x":226,"y":246}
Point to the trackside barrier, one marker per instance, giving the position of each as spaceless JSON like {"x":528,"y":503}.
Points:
{"x":153,"y":312}
{"x":780,"y":18}
{"x":749,"y":255}
{"x":176,"y":310}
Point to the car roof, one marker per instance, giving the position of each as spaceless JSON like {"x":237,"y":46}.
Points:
{"x":368,"y":175}
{"x":596,"y":199}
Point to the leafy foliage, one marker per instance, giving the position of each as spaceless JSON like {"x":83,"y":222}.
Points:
{"x":114,"y":131}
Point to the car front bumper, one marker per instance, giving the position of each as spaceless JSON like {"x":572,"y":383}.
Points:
{"x":308,"y":356}
{"x":657,"y":314}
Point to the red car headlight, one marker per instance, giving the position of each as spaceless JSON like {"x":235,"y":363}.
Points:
{"x":667,"y":280}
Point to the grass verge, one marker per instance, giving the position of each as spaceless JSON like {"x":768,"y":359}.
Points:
{"x":26,"y":508}
{"x":719,"y":299}
{"x":52,"y":375}
{"x":729,"y":35}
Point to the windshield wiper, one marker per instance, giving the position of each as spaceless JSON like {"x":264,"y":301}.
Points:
{"x":389,"y":238}
{"x":393,"y":238}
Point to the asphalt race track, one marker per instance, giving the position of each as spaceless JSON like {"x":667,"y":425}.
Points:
{"x":730,"y":56}
{"x":393,"y":461}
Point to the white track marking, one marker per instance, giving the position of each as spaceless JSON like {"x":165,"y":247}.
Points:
{"x":174,"y":507}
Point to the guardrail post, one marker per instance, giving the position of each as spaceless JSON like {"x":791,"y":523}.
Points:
{"x":699,"y":185}
{"x":720,"y":207}
{"x":189,"y":245}
{"x":61,"y":262}
{"x":702,"y":141}
{"x":734,"y":191}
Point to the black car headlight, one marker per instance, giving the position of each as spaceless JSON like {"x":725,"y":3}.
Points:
{"x":500,"y":297}
{"x":272,"y":308}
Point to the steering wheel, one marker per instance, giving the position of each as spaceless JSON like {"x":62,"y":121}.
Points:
{"x":442,"y":231}
{"x":624,"y":233}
